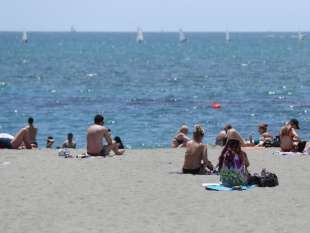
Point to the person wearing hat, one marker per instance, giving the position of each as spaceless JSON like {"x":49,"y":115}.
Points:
{"x":233,"y":161}
{"x":221,"y":138}
{"x":49,"y":142}
{"x":181,"y":138}
{"x":289,"y":138}
{"x":196,"y":155}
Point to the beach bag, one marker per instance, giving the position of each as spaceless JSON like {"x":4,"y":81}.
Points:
{"x":266,"y":179}
{"x":272,"y":143}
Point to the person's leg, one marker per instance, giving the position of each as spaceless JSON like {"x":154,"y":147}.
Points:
{"x":114,"y":147}
{"x":21,"y":137}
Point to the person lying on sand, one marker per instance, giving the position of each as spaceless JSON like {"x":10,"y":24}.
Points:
{"x":181,"y":138}
{"x":221,"y":138}
{"x":233,"y":162}
{"x":95,"y":134}
{"x":196,"y":155}
{"x":20,"y":141}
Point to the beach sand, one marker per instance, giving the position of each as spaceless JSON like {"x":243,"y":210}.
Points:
{"x":144,"y":191}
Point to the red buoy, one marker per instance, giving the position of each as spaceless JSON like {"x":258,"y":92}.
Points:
{"x":216,"y":105}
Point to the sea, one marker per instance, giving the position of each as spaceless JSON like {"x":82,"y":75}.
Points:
{"x":147,"y":91}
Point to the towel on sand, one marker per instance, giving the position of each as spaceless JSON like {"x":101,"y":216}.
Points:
{"x":220,"y":187}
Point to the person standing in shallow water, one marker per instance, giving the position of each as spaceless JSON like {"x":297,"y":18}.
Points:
{"x":95,"y":135}
{"x":196,"y":155}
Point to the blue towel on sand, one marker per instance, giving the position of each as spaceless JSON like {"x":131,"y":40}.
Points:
{"x":220,"y":187}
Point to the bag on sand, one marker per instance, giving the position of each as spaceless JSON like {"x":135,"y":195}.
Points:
{"x":272,"y":143}
{"x":266,"y":179}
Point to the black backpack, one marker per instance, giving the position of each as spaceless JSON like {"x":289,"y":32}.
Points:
{"x":266,"y":179}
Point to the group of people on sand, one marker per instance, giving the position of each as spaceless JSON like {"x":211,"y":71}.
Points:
{"x":96,"y":133}
{"x":233,"y":163}
{"x":288,"y":139}
{"x":26,"y":139}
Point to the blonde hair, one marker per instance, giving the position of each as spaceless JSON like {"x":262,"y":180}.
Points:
{"x":198,"y":131}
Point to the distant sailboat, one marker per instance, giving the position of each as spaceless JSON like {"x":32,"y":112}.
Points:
{"x":72,"y":29}
{"x":140,"y":36}
{"x":227,"y":37}
{"x":182,"y":37}
{"x":24,"y":37}
{"x":301,"y":36}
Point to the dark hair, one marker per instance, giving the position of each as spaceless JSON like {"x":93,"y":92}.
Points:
{"x":227,"y":127}
{"x":98,"y":119}
{"x":70,"y":135}
{"x":30,"y":120}
{"x":119,"y":141}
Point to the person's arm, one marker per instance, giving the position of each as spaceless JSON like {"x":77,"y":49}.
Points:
{"x":206,"y":162}
{"x":246,"y":160}
{"x":295,"y":136}
{"x":107,"y":136}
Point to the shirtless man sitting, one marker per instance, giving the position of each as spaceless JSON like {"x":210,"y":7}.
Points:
{"x":95,"y":134}
{"x":196,"y":155}
{"x":20,"y":141}
{"x":32,"y":133}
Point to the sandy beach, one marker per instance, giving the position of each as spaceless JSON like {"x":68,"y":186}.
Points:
{"x":144,"y":191}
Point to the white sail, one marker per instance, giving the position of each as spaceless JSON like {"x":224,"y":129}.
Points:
{"x":72,"y":29}
{"x":140,"y":36}
{"x":25,"y":37}
{"x":227,"y":37}
{"x":301,"y":36}
{"x":182,"y":37}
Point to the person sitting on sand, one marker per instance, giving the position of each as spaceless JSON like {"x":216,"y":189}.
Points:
{"x":20,"y":141}
{"x":196,"y":155}
{"x":69,"y":143}
{"x":289,"y":139}
{"x":181,"y":138}
{"x":95,"y":134}
{"x":32,"y":133}
{"x":233,"y":162}
{"x":264,"y":135}
{"x":221,"y":138}
{"x":49,"y":142}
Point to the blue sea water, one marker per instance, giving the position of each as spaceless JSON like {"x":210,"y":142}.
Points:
{"x":146,"y":91}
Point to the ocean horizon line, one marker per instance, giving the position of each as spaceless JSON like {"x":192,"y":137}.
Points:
{"x":148,"y":31}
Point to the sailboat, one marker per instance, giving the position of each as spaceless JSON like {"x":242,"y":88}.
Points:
{"x":301,"y":36}
{"x":72,"y":29}
{"x":227,"y":37}
{"x":140,"y":37}
{"x":24,"y":37}
{"x":182,"y":37}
